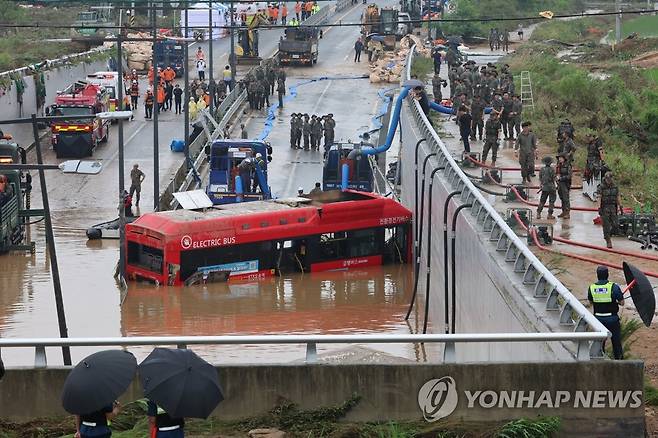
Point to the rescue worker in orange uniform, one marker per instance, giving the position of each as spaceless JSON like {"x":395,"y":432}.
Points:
{"x":161,"y":98}
{"x":308,"y":6}
{"x":169,"y":75}
{"x":298,"y":10}
{"x":284,"y":14}
{"x":148,"y":104}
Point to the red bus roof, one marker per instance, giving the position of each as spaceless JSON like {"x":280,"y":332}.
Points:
{"x":275,"y":219}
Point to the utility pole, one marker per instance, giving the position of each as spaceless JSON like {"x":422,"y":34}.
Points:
{"x":186,"y":103}
{"x":617,"y":22}
{"x":50,"y":241}
{"x":122,"y":185}
{"x":211,"y":84}
{"x":232,"y":60}
{"x":156,"y":140}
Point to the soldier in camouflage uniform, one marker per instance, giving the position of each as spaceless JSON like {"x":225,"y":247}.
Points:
{"x":567,"y":146}
{"x":610,"y":205}
{"x":491,"y":129}
{"x":526,"y":148}
{"x":564,"y":175}
{"x":477,"y":112}
{"x":437,"y":83}
{"x":547,"y":184}
{"x":306,"y":132}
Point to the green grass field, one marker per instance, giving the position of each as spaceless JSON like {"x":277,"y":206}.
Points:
{"x":652,"y":75}
{"x":646,"y":26}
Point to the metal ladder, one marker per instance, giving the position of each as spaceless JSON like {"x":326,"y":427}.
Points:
{"x":526,"y":91}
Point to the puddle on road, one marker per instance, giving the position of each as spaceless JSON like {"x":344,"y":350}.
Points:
{"x":372,"y":300}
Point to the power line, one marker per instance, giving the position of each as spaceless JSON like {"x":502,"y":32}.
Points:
{"x":339,"y":24}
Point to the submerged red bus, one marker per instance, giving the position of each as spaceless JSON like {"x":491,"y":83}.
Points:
{"x":330,"y":231}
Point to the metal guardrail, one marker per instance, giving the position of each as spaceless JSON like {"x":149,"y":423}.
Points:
{"x":533,"y":272}
{"x":311,"y":341}
{"x":341,"y":5}
{"x":319,"y":17}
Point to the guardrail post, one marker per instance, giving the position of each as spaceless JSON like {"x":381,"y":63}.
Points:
{"x":449,"y":353}
{"x":583,"y":351}
{"x":311,"y":352}
{"x":40,"y":360}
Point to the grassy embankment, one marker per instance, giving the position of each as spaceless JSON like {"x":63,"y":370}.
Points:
{"x":20,"y":47}
{"x":622,"y":109}
{"x":467,"y":9}
{"x":320,"y":423}
{"x":644,"y":26}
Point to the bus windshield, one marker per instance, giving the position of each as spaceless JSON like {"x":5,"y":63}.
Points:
{"x":145,"y":257}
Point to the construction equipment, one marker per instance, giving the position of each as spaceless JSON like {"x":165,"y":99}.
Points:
{"x":299,"y":45}
{"x":77,"y":138}
{"x":247,"y":49}
{"x":381,"y":25}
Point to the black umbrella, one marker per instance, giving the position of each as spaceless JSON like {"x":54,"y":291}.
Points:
{"x":97,"y":381}
{"x":641,"y":292}
{"x":182,"y":383}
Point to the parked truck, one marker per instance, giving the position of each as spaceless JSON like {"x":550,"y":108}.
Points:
{"x":170,"y":53}
{"x":77,"y":138}
{"x":299,"y":45}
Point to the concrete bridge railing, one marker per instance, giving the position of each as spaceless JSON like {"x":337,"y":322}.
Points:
{"x":502,"y":284}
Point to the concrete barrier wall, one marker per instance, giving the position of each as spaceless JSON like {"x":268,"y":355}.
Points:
{"x":580,"y":393}
{"x":491,"y":297}
{"x":56,"y":79}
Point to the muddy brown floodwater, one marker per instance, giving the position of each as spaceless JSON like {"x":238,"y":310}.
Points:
{"x":371,"y":300}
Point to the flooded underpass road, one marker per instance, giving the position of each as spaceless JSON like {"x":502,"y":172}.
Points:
{"x":364,"y":301}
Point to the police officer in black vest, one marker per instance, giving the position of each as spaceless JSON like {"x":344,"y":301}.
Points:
{"x":606,"y":297}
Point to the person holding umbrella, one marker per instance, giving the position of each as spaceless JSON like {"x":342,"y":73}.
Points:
{"x":179,"y":384}
{"x":96,"y":424}
{"x":606,"y":297}
{"x":163,"y":425}
{"x":92,"y":388}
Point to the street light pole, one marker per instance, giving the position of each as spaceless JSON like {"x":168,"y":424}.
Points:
{"x":122,"y":185}
{"x":617,"y":22}
{"x":186,"y":104}
{"x":232,"y":30}
{"x":156,"y":140}
{"x":211,"y":85}
{"x":50,"y":242}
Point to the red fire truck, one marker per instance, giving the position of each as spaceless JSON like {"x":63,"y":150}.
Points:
{"x":331,"y":231}
{"x":78,"y":138}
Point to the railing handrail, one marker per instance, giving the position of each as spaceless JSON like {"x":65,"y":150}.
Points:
{"x":575,"y":304}
{"x":301,"y":339}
